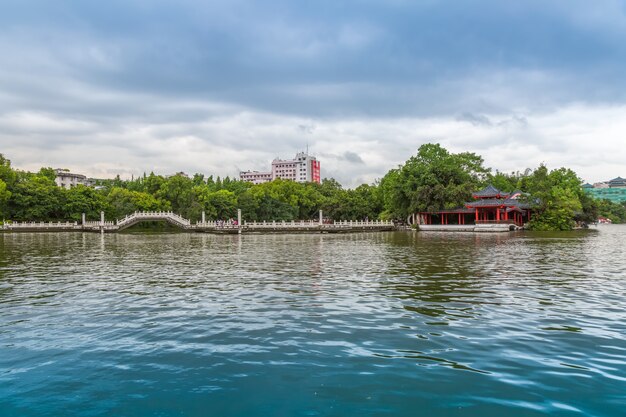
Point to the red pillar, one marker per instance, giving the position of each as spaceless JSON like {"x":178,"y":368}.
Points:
{"x":498,"y":214}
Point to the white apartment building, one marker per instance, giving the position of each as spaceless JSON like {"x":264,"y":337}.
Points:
{"x":255,"y":177}
{"x":66,"y":179}
{"x":303,"y":168}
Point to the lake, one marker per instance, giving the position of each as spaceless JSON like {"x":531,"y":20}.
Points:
{"x":365,"y":324}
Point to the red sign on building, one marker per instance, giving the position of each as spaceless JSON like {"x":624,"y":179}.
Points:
{"x":315,"y":171}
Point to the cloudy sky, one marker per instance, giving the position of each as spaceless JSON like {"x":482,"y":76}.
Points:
{"x":127,"y":86}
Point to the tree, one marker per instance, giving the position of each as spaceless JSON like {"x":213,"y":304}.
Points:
{"x":82,"y":199}
{"x":613,"y":211}
{"x":6,"y":172}
{"x":5,"y":195}
{"x":177,"y":189}
{"x":122,"y":202}
{"x":558,"y":198}
{"x":36,"y":197}
{"x":433,"y":180}
{"x":222,"y":204}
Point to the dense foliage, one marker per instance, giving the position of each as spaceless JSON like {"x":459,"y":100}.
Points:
{"x":612,"y":211}
{"x":433,"y":179}
{"x":34,"y":196}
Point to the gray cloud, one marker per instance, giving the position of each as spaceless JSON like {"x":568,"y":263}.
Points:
{"x":475,"y":119}
{"x":127,"y":86}
{"x":352,"y":157}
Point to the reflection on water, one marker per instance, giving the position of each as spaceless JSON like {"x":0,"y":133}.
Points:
{"x":357,"y":324}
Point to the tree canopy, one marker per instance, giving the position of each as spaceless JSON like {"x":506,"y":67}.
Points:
{"x":433,"y":179}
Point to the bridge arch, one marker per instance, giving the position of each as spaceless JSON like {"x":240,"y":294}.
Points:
{"x":144,"y":216}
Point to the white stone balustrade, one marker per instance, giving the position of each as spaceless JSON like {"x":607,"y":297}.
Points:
{"x":180,"y":221}
{"x":40,"y":225}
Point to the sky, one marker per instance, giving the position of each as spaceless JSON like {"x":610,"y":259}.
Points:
{"x":131,"y":86}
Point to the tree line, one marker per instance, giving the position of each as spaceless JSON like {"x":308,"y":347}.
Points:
{"x":433,"y":179}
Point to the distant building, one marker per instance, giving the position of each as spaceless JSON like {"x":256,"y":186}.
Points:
{"x":66,"y":179}
{"x":613,"y":190}
{"x":618,"y":182}
{"x":255,"y":177}
{"x":303,"y":168}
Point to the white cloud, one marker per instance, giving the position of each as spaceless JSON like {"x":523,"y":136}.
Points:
{"x":588,"y":139}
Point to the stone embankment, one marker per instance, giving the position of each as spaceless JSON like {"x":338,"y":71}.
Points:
{"x":474,"y":228}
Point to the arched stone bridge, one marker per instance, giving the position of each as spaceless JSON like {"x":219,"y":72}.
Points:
{"x":144,"y":216}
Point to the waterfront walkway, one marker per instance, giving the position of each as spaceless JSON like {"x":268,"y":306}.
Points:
{"x":203,"y":225}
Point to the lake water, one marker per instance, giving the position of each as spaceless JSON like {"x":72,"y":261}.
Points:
{"x":373,"y":324}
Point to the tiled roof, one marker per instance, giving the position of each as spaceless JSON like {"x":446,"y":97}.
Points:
{"x":462,"y":210}
{"x":489,"y":191}
{"x":485,"y":202}
{"x":494,"y":202}
{"x":619,"y":181}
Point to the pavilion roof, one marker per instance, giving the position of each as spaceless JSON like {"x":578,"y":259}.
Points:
{"x":462,"y":210}
{"x":497,"y":202}
{"x":514,"y":202}
{"x":619,"y":181}
{"x":485,"y":202}
{"x":489,"y":192}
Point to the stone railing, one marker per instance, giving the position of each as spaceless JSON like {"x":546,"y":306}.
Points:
{"x":300,"y":224}
{"x":363,"y":223}
{"x":216,"y":224}
{"x":40,"y":225}
{"x":282,"y":224}
{"x":97,"y":223}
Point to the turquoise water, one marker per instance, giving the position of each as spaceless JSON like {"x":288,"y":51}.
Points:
{"x":387,"y":324}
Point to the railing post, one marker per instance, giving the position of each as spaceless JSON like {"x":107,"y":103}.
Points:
{"x":321,"y":218}
{"x":239,"y":221}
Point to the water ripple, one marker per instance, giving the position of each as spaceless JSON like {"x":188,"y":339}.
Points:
{"x":367,"y":324}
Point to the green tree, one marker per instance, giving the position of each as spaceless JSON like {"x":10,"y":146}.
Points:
{"x":5,"y":195}
{"x":434,"y":179}
{"x":222,"y":204}
{"x":82,"y":199}
{"x":36,"y":198}
{"x":558,"y":198}
{"x":177,"y":189}
{"x":7,"y":174}
{"x":611,"y":210}
{"x":153,"y":183}
{"x":121,"y":202}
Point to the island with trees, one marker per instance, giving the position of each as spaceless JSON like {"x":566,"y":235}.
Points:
{"x":433,"y":179}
